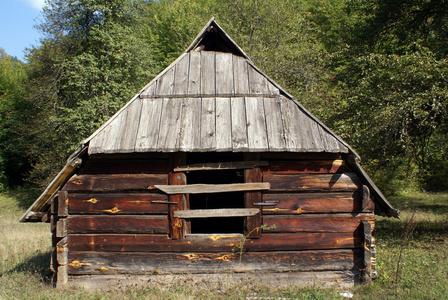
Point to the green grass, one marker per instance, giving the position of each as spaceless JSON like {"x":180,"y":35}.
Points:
{"x":423,"y":268}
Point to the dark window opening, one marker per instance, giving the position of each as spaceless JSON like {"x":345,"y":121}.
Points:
{"x":217,"y":201}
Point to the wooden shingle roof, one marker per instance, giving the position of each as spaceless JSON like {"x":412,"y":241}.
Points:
{"x":209,"y":100}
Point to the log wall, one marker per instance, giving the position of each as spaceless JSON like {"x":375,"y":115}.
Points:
{"x":110,"y":220}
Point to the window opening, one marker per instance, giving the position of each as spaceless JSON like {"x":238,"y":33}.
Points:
{"x":216,"y":201}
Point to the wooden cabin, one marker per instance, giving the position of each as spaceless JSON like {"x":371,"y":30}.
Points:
{"x":212,"y":171}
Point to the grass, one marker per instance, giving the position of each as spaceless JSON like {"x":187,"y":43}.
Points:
{"x":25,"y":249}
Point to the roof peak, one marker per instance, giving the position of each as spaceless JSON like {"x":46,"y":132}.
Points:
{"x":213,"y":38}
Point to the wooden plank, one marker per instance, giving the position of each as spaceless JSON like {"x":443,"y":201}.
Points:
{"x":241,"y":76}
{"x":310,"y":166}
{"x":316,"y":222}
{"x":213,"y":188}
{"x":176,"y":225}
{"x":336,"y":279}
{"x":365,"y":196}
{"x":130,"y":128}
{"x":114,"y":182}
{"x":314,"y":182}
{"x":212,"y":242}
{"x":170,"y":125}
{"x":148,"y":131}
{"x":181,"y":76}
{"x":239,"y":124}
{"x":208,"y":124}
{"x":300,"y":203}
{"x":217,"y":213}
{"x":194,"y":74}
{"x":233,"y":165}
{"x":256,"y":124}
{"x":283,"y":156}
{"x":224,"y":74}
{"x":117,"y":203}
{"x":117,"y":224}
{"x":274,"y":124}
{"x":112,"y":137}
{"x":189,"y":137}
{"x":62,"y":204}
{"x":291,"y":127}
{"x":165,"y":84}
{"x":252,"y":226}
{"x":149,"y":91}
{"x":258,"y":84}
{"x":208,"y":74}
{"x":61,"y":228}
{"x":223,"y":124}
{"x":138,"y":263}
{"x":126,"y":166}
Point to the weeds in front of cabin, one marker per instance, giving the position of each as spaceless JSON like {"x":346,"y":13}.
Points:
{"x":240,"y":246}
{"x":423,"y":273}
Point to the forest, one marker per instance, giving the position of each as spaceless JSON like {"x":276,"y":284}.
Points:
{"x":374,"y":71}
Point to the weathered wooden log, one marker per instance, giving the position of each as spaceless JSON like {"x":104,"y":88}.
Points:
{"x":317,"y":222}
{"x":115,"y":182}
{"x":139,"y":263}
{"x":313,"y":183}
{"x":62,"y":205}
{"x":176,"y":225}
{"x":117,"y":203}
{"x":221,"y":166}
{"x":341,"y":279}
{"x":299,"y":203}
{"x":304,"y":167}
{"x":117,"y":224}
{"x":129,"y":166}
{"x":215,"y":242}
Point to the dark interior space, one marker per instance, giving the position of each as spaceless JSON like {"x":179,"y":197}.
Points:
{"x":216,"y":200}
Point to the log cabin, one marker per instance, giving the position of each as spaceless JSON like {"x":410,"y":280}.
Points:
{"x":212,"y":170}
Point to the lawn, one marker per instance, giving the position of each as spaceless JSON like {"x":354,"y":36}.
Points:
{"x":412,"y":260}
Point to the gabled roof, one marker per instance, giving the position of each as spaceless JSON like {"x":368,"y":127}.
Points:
{"x":212,"y":98}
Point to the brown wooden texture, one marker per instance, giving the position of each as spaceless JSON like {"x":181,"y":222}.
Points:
{"x":211,"y":243}
{"x":252,"y":224}
{"x":297,"y":167}
{"x":176,"y":225}
{"x":313,"y":182}
{"x":299,"y":203}
{"x":122,"y":182}
{"x":139,"y":263}
{"x":216,"y":213}
{"x":120,"y":166}
{"x":213,"y":188}
{"x":339,"y":279}
{"x":118,"y":203}
{"x":317,"y":222}
{"x":117,"y":224}
{"x":62,"y":205}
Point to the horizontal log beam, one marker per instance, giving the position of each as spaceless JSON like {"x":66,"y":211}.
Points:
{"x":115,"y":182}
{"x":212,"y":242}
{"x":340,"y":279}
{"x":216,"y":213}
{"x":213,"y":188}
{"x":117,"y":203}
{"x":299,"y":203}
{"x":139,"y":263}
{"x":317,"y":222}
{"x":305,"y":167}
{"x":313,"y":183}
{"x":117,"y":224}
{"x":222,"y":166}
